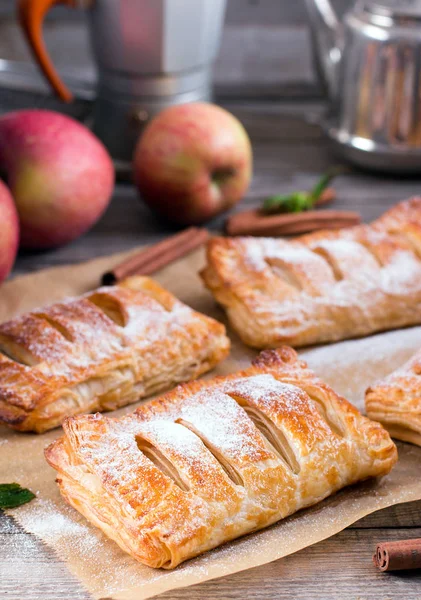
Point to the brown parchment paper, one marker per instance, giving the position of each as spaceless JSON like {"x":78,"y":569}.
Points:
{"x":105,"y":570}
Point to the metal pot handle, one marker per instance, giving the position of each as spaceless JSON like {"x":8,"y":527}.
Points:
{"x":31,"y":14}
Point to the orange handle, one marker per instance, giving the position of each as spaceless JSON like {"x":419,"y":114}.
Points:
{"x":31,"y":15}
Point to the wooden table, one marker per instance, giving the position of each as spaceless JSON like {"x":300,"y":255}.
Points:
{"x":290,"y":153}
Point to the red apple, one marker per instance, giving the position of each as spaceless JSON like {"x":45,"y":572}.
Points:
{"x":9,"y":232}
{"x":192,"y":162}
{"x":60,"y":175}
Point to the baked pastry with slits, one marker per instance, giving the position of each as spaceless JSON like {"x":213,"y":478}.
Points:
{"x":324,"y":286}
{"x":214,"y":460}
{"x":395,"y":401}
{"x":102,"y":351}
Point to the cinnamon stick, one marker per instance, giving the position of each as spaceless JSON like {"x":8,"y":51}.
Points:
{"x":327,"y":197}
{"x":157,"y":256}
{"x":255,"y":223}
{"x":398,"y":556}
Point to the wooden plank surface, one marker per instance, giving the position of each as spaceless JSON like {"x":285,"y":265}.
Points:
{"x":262,"y":12}
{"x":265,"y":49}
{"x":290,"y":152}
{"x":254,"y":60}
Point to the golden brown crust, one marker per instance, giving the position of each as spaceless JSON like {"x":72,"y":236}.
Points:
{"x":213,"y":460}
{"x":102,"y":351}
{"x":324,"y":286}
{"x":395,"y":401}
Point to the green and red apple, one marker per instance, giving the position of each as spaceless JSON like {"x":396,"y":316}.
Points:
{"x":60,"y":175}
{"x":9,"y":232}
{"x":192,"y":162}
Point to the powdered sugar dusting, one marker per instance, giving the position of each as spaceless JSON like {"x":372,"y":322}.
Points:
{"x":339,"y":285}
{"x":107,"y":571}
{"x":350,"y":367}
{"x":70,"y":342}
{"x":266,"y":389}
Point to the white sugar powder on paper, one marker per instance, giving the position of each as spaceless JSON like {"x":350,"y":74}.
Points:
{"x":352,"y":366}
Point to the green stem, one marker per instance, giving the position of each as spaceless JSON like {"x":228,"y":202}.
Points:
{"x":324,"y":181}
{"x":300,"y":201}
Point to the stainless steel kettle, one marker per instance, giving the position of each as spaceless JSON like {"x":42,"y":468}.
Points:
{"x":371,"y":64}
{"x":150,"y":54}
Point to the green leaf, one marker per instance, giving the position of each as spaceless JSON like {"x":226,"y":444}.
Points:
{"x":12,"y":495}
{"x":290,"y":203}
{"x":300,"y":201}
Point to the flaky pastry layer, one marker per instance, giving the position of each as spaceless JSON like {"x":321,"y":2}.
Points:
{"x":324,"y":286}
{"x":102,"y":351}
{"x":214,"y":460}
{"x":395,"y":401}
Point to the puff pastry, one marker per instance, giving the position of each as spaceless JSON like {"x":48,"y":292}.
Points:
{"x":100,"y":352}
{"x":214,"y":460}
{"x":395,"y":401}
{"x":321,"y":287}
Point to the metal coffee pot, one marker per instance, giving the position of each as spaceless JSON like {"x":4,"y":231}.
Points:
{"x":150,"y":54}
{"x":371,"y":64}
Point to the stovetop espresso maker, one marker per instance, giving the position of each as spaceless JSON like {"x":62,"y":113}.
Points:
{"x":149,"y":53}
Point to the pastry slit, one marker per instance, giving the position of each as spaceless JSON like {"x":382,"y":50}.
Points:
{"x":231,"y":471}
{"x":17,"y":353}
{"x":57,"y":326}
{"x":110,"y":307}
{"x":330,"y":261}
{"x":373,"y":252}
{"x":320,"y":406}
{"x":161,"y":462}
{"x":281,"y":271}
{"x":8,"y":355}
{"x":272,"y":435}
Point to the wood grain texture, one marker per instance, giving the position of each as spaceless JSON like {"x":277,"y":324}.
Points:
{"x":262,"y":12}
{"x":254,"y":60}
{"x":269,"y":12}
{"x":265,"y":49}
{"x":290,"y":152}
{"x":339,"y":568}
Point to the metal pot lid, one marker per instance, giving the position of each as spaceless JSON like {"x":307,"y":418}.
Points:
{"x":395,"y":9}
